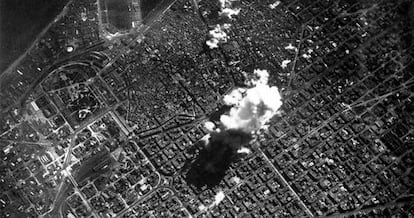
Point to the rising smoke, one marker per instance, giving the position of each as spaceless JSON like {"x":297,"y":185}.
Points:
{"x":251,"y":109}
{"x":218,"y":34}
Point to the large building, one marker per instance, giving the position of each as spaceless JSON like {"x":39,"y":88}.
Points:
{"x":118,"y":17}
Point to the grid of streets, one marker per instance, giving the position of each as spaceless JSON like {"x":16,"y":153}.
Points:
{"x":91,"y":127}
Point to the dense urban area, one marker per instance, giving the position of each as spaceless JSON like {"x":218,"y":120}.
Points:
{"x":104,"y":115}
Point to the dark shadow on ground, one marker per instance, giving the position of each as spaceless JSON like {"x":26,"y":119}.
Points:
{"x":215,"y":115}
{"x":94,"y":166}
{"x":215,"y":159}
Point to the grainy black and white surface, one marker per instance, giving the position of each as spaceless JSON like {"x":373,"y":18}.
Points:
{"x":99,"y":127}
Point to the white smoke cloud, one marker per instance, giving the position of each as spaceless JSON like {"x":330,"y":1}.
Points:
{"x":285,"y":63}
{"x":274,"y":5}
{"x":212,"y":43}
{"x":262,"y":77}
{"x":210,"y":126}
{"x":234,"y":97}
{"x":252,"y":107}
{"x":229,"y":12}
{"x":236,"y":180}
{"x":206,"y":139}
{"x":223,"y":3}
{"x":218,"y":198}
{"x":218,"y":35}
{"x":227,"y":9}
{"x":244,"y":150}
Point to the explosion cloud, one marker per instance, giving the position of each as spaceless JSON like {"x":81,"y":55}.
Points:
{"x":227,"y":10}
{"x":219,"y":197}
{"x":210,"y":126}
{"x":252,"y":107}
{"x":218,"y":34}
